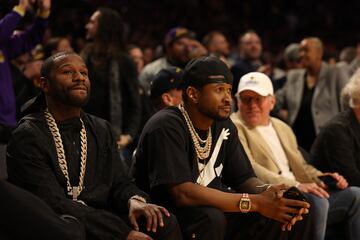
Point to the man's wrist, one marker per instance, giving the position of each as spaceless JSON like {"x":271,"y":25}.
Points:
{"x":137,"y":198}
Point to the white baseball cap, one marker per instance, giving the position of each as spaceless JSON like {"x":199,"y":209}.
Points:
{"x":257,"y":82}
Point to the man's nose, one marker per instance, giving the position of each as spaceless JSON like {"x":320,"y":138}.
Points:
{"x":78,"y":76}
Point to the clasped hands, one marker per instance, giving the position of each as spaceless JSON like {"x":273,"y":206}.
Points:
{"x":286,"y":211}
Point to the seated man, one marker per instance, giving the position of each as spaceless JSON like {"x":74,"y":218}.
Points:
{"x":337,"y":147}
{"x":69,"y":159}
{"x":272,"y":148}
{"x":165,"y":88}
{"x":190,"y":159}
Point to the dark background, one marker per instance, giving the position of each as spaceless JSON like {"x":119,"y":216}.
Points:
{"x":277,"y":22}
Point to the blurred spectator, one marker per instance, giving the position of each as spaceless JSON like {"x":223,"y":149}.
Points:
{"x":115,"y":92}
{"x":217,"y":44}
{"x":166,"y":88}
{"x":311,"y":96}
{"x":11,"y":46}
{"x":25,"y":71}
{"x":148,"y":55}
{"x":337,"y":147}
{"x":55,"y":45}
{"x":292,"y":57}
{"x":250,"y":50}
{"x":136,"y":54}
{"x":179,"y":45}
{"x":277,"y":75}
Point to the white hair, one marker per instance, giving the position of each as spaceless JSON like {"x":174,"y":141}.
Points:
{"x":350,"y":94}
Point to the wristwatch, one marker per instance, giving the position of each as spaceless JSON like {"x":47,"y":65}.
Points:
{"x":245,"y":203}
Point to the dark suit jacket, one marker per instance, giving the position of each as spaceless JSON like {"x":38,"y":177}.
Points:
{"x":337,"y":147}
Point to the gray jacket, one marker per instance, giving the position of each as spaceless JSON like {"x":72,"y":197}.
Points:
{"x":326,"y":98}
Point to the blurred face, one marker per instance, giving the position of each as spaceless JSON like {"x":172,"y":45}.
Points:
{"x":91,"y":26}
{"x":137,"y":56}
{"x":250,"y":46}
{"x":179,"y":51}
{"x":214,"y":100}
{"x":254,"y":108}
{"x":64,"y":45}
{"x":219,"y":45}
{"x":310,"y":53}
{"x":69,"y":84}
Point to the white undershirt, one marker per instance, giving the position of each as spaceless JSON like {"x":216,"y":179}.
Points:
{"x":271,"y":138}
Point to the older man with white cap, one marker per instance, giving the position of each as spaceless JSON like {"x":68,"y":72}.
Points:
{"x":273,"y":151}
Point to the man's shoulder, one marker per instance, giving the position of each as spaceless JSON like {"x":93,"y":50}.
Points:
{"x":155,"y":66}
{"x":169,"y":116}
{"x":98,"y":123}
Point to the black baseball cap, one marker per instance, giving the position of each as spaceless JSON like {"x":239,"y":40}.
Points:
{"x":204,"y":70}
{"x":165,"y":80}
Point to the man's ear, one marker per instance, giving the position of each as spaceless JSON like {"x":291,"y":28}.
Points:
{"x":166,"y":99}
{"x":193,"y":94}
{"x":44,"y":84}
{"x":272,"y":102}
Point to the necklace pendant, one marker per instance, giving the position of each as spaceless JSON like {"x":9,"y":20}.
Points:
{"x":75,"y":193}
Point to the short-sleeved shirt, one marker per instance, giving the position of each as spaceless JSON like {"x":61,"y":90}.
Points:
{"x":166,"y":156}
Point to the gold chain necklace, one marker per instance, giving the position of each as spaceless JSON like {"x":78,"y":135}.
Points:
{"x":73,"y":191}
{"x":201,"y":152}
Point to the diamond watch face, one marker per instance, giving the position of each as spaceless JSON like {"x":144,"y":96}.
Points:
{"x":244,"y":205}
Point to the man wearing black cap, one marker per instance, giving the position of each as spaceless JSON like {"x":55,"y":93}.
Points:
{"x":189,"y":159}
{"x":165,"y":88}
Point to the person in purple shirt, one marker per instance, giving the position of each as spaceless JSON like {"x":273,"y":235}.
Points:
{"x":11,"y":46}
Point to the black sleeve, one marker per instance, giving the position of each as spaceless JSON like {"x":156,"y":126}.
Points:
{"x":131,"y":99}
{"x":335,"y":148}
{"x":166,"y":152}
{"x":29,"y":167}
{"x":238,"y":168}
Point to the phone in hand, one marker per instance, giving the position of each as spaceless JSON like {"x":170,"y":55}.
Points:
{"x":329,"y":181}
{"x":296,"y":194}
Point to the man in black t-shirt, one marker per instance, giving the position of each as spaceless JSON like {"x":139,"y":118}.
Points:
{"x":190,"y":160}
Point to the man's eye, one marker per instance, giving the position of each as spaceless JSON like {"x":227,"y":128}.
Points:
{"x":84,"y":73}
{"x":68,"y":72}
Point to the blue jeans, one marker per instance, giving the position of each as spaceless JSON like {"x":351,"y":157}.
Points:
{"x":318,"y":215}
{"x":345,"y":210}
{"x":342,"y":207}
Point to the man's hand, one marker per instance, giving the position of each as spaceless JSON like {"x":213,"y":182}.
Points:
{"x":272,"y":205}
{"x":134,"y":235}
{"x":151,"y":212}
{"x":341,"y":182}
{"x":314,"y":189}
{"x":124,"y":140}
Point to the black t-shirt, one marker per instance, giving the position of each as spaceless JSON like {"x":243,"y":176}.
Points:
{"x":166,"y":156}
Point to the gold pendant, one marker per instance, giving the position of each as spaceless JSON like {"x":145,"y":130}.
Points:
{"x":75,"y":193}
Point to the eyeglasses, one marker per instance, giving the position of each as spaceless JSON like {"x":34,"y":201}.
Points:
{"x":248,"y":100}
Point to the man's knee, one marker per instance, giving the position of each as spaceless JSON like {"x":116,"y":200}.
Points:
{"x":170,"y":230}
{"x":214,"y":218}
{"x":352,"y":193}
{"x":202,"y":223}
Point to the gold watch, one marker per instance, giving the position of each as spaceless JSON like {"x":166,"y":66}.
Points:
{"x":245,"y":203}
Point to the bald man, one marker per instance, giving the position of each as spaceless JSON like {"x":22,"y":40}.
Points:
{"x":311,"y":96}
